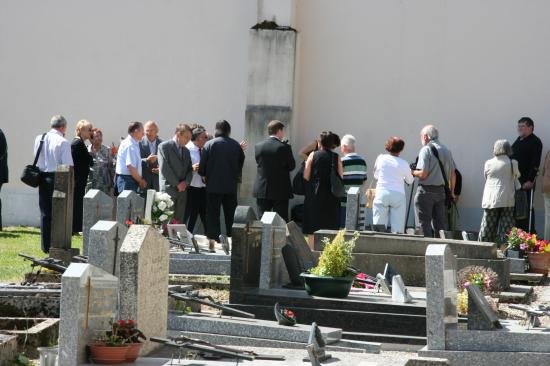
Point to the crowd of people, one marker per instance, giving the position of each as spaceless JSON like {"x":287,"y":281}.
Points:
{"x":201,"y":173}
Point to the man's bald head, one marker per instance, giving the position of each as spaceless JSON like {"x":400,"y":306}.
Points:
{"x":151,"y":130}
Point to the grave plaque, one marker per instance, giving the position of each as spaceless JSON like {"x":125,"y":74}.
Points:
{"x":144,"y":258}
{"x":441,"y":294}
{"x":272,"y":268}
{"x":106,"y":238}
{"x":246,"y":236}
{"x":296,"y":237}
{"x":480,"y":314}
{"x":97,"y":206}
{"x":149,"y":200}
{"x":179,"y":232}
{"x":130,"y":206}
{"x":88,"y":303}
{"x":399,"y":292}
{"x":316,"y":347}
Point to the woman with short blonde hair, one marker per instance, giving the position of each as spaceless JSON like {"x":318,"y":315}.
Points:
{"x":82,"y":162}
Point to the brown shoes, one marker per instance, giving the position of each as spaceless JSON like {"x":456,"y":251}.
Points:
{"x":212,"y":246}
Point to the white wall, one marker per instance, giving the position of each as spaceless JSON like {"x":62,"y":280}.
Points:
{"x":382,"y":68}
{"x":113,"y":62}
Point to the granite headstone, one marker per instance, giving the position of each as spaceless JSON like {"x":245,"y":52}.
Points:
{"x":296,"y":237}
{"x":399,"y":291}
{"x":97,"y":206}
{"x":106,"y":238}
{"x":88,"y":303}
{"x":246,"y":236}
{"x":130,"y":206}
{"x":480,"y":314}
{"x":144,"y":259}
{"x":62,"y":214}
{"x":273,"y":272}
{"x":352,"y":208}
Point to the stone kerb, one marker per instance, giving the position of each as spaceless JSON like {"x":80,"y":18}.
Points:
{"x":88,"y":303}
{"x":352,"y":208}
{"x":441,"y":292}
{"x":97,"y":206}
{"x":130,"y":206}
{"x":272,"y":268}
{"x":106,"y":238}
{"x":245,"y":249}
{"x":144,"y":259}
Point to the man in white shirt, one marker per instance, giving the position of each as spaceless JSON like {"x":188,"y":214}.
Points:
{"x":128,"y":163}
{"x":56,"y":150}
{"x":196,"y":192}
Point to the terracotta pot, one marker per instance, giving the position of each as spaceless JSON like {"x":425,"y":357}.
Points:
{"x":106,"y":355}
{"x":133,"y":351}
{"x":539,"y":262}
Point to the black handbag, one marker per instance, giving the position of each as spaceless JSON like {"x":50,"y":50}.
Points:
{"x":521,"y":205}
{"x":298,"y":182}
{"x":336,"y":184}
{"x":31,"y":173}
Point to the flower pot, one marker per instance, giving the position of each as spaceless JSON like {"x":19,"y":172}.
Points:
{"x":133,"y":351}
{"x":282,"y":319}
{"x":326,"y":286}
{"x":539,"y":262}
{"x":107,"y":355}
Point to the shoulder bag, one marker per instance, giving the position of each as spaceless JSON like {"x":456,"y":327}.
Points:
{"x":336,"y":184}
{"x":448,"y":196}
{"x":31,"y":173}
{"x":521,"y":204}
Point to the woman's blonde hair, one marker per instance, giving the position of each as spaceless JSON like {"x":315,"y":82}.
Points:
{"x":82,"y":124}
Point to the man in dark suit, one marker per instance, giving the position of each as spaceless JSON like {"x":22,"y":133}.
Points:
{"x":148,"y":148}
{"x":221,"y":166}
{"x":272,"y":187}
{"x":3,"y":167}
{"x":175,"y":169}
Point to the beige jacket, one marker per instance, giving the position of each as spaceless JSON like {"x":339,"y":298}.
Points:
{"x":500,"y":182}
{"x":546,"y":174}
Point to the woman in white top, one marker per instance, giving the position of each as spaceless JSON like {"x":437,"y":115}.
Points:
{"x":501,"y":178}
{"x":391,"y":172}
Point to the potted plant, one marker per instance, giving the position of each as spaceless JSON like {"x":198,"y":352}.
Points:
{"x":109,"y":348}
{"x":128,"y":330}
{"x":331,"y":277}
{"x":484,"y":278}
{"x":538,"y":251}
{"x":284,"y":316}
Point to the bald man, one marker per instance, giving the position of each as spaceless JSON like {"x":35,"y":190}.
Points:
{"x":148,"y":148}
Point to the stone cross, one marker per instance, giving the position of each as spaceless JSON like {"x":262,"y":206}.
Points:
{"x":144,"y":259}
{"x":246,"y":236}
{"x":272,"y":268}
{"x":149,"y":200}
{"x":88,"y":303}
{"x":97,"y":206}
{"x":352,"y":208}
{"x":441,"y":292}
{"x":130,"y":206}
{"x":105,"y":241}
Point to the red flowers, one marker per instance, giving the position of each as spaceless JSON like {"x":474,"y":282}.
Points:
{"x":121,"y":323}
{"x":289,"y":313}
{"x":129,"y":222}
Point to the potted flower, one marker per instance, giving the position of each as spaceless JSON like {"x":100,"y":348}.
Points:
{"x":515,"y":239}
{"x":332,"y":277}
{"x":484,"y":278}
{"x":120,"y":344}
{"x":538,"y":251}
{"x":128,"y":330}
{"x":284,"y":316}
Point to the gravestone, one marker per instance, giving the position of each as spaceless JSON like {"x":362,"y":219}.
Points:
{"x":272,"y":268}
{"x":296,"y":237}
{"x":144,"y":259}
{"x":352,"y":208}
{"x":316,"y":347}
{"x":382,"y":284}
{"x":130,"y":206}
{"x":246,"y":236}
{"x":399,"y":292}
{"x":106,"y":238}
{"x":88,"y":304}
{"x":441,"y":294}
{"x":97,"y":206}
{"x":149,"y":200}
{"x":179,"y":232}
{"x":62,"y":215}
{"x":480,"y":314}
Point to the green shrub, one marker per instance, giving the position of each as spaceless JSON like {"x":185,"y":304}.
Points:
{"x":336,"y":256}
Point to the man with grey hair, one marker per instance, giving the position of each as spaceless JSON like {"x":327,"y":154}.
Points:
{"x":148,"y":148}
{"x":355,"y":171}
{"x":54,"y":150}
{"x":436,"y":173}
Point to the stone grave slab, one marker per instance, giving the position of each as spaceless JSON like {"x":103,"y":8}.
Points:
{"x":130,"y":206}
{"x":88,"y":303}
{"x":106,"y":238}
{"x":480,"y":314}
{"x":352,"y":208}
{"x":97,"y":206}
{"x":399,"y":291}
{"x":296,"y":237}
{"x":246,"y":248}
{"x":62,"y":214}
{"x":144,"y":258}
{"x":273,"y":272}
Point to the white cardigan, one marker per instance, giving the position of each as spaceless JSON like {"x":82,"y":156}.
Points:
{"x":500,"y":182}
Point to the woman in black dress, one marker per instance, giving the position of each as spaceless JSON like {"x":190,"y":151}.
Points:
{"x":82,"y":161}
{"x":321,"y":207}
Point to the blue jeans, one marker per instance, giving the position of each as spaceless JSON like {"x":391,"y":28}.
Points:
{"x":126,"y":183}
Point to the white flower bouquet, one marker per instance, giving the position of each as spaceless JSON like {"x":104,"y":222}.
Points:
{"x":162,"y":210}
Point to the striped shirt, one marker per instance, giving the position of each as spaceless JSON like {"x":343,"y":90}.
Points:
{"x":355,"y":172}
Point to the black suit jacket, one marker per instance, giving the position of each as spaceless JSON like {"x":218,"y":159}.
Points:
{"x":151,"y":178}
{"x":3,"y":158}
{"x":221,"y":163}
{"x":275,"y":162}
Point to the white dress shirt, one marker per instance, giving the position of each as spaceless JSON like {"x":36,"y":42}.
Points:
{"x":195,"y":159}
{"x":55,"y":151}
{"x":391,"y":172}
{"x":128,"y":154}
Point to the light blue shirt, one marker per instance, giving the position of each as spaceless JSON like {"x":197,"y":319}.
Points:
{"x":55,"y":151}
{"x":128,"y":154}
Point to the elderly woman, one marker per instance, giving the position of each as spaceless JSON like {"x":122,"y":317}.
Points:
{"x":102,"y":173}
{"x":321,"y":207}
{"x":82,"y":162}
{"x":391,"y":172}
{"x":501,"y":180}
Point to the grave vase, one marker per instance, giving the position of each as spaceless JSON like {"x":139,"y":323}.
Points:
{"x":539,"y":262}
